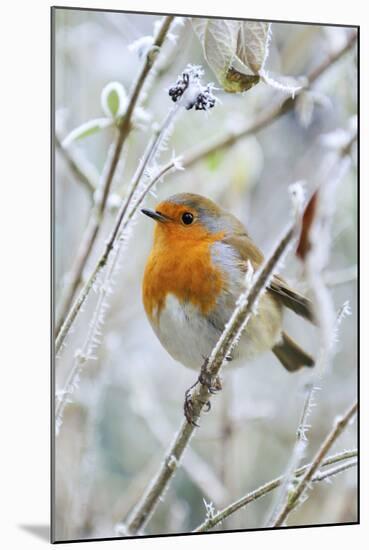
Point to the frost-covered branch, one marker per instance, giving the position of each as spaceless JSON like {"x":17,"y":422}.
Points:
{"x":341,"y":458}
{"x":296,"y":454}
{"x":313,"y":249}
{"x":188,"y":93}
{"x":268,"y":115}
{"x":94,"y":224}
{"x":79,"y":166}
{"x":297,"y":492}
{"x":246,"y":306}
{"x":112,"y":248}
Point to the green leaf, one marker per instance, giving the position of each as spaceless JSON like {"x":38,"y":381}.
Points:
{"x":87,"y":129}
{"x":114,"y":100}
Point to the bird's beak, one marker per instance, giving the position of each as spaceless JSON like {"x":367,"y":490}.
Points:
{"x":157,"y":216}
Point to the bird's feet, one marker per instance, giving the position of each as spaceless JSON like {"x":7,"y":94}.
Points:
{"x":213,"y":385}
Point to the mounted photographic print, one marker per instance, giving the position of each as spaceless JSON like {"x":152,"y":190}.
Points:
{"x":205,"y":265}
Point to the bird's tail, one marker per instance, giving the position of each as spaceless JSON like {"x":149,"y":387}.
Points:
{"x":291,"y":355}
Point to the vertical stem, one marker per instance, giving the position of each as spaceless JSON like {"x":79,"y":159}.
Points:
{"x":149,"y":154}
{"x":94,"y":224}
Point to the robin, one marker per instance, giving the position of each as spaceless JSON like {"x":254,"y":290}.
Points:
{"x":195,"y":273}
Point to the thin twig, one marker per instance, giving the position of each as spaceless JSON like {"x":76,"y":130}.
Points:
{"x":114,"y":244}
{"x":114,"y":235}
{"x":296,"y":493}
{"x":296,"y":454}
{"x":81,"y":168}
{"x":201,"y":395}
{"x":321,"y":476}
{"x":211,"y":522}
{"x":94,"y":224}
{"x":268,"y":116}
{"x":315,"y":253}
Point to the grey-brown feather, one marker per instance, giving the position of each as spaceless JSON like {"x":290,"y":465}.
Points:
{"x":291,"y":355}
{"x":278,"y":287}
{"x":239,"y":246}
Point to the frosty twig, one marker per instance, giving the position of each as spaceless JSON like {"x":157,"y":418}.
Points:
{"x":296,"y":493}
{"x":189,"y":93}
{"x":94,"y":223}
{"x":343,"y":464}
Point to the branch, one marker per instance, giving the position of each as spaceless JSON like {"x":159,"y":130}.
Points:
{"x":113,"y":244}
{"x":201,"y":395}
{"x":79,"y":166}
{"x":296,"y":454}
{"x":268,"y":116}
{"x":94,"y":224}
{"x":313,"y":250}
{"x":115,"y":233}
{"x":211,"y":522}
{"x":296,"y":493}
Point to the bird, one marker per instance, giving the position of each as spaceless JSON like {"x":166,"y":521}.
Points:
{"x":193,"y":277}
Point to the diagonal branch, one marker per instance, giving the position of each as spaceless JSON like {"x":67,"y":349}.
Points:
{"x":80,"y":167}
{"x":265,"y":489}
{"x":296,"y":493}
{"x":94,"y":224}
{"x":126,"y":213}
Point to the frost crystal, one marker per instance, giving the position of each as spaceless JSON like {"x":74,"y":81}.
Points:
{"x":177,"y":162}
{"x":141,"y":46}
{"x":210,"y":510}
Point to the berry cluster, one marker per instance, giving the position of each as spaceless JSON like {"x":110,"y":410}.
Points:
{"x":180,"y":87}
{"x":198,"y":96}
{"x":204,"y":101}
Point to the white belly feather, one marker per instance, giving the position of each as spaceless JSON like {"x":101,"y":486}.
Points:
{"x":189,"y":338}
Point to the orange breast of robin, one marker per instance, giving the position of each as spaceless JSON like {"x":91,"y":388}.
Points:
{"x":183,"y":267}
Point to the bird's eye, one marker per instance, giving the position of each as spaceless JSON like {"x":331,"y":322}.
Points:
{"x":187,"y":218}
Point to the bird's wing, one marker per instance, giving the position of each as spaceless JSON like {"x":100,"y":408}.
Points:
{"x":246,"y":249}
{"x":291,"y":299}
{"x":288,"y":297}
